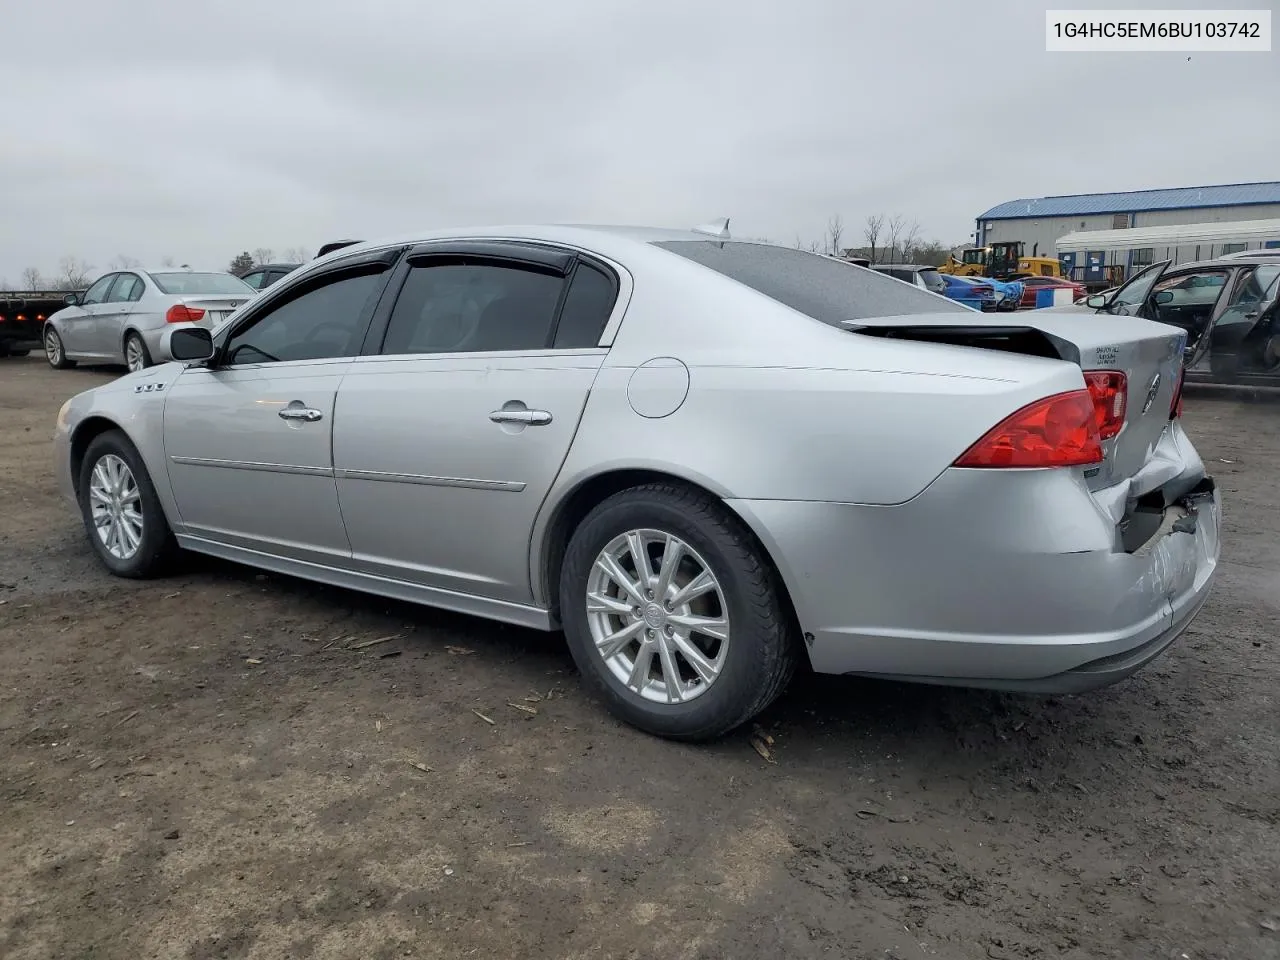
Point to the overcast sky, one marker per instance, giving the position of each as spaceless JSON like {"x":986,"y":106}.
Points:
{"x":196,"y":130}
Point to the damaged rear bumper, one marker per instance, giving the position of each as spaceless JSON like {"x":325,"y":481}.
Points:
{"x":1014,"y":580}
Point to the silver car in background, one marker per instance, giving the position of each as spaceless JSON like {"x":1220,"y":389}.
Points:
{"x":707,"y":460}
{"x":122,"y":316}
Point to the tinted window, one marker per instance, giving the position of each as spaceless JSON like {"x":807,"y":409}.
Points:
{"x":586,"y":308}
{"x":98,"y":292}
{"x":825,"y":289}
{"x":327,"y":321}
{"x":1254,"y":285}
{"x":200,"y":283}
{"x":472,"y":307}
{"x":128,"y":287}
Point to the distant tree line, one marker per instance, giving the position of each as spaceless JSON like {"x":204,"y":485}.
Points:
{"x":892,"y":239}
{"x":73,"y":273}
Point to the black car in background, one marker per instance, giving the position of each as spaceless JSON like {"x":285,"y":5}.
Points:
{"x":265,"y":274}
{"x":1227,"y":306}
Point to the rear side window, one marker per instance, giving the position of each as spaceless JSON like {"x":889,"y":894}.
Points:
{"x":473,"y":308}
{"x":828,"y":290}
{"x":587,"y":307}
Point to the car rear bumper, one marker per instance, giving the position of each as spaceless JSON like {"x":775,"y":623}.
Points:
{"x":1001,"y":579}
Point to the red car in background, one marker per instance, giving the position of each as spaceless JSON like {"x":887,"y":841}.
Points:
{"x":1031,"y":284}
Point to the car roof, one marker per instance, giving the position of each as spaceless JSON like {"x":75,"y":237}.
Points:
{"x":904,"y":266}
{"x":273,"y":266}
{"x":1223,"y":262}
{"x":591,"y":236}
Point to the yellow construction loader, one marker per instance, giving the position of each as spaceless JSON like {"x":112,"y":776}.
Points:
{"x":1001,"y":261}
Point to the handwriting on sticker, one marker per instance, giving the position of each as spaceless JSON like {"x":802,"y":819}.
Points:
{"x":1108,"y":354}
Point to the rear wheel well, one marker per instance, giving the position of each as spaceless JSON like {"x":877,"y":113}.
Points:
{"x":575,"y":507}
{"x":80,"y":440}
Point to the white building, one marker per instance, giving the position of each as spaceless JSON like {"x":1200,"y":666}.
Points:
{"x":1038,"y":223}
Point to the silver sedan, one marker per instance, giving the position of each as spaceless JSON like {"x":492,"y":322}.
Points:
{"x":123,"y":315}
{"x":708,"y":461}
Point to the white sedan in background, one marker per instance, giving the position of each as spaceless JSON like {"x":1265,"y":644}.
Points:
{"x":122,"y":316}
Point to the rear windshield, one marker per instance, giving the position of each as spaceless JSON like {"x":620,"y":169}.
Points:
{"x":933,"y":281}
{"x":828,"y":290}
{"x":188,"y":283}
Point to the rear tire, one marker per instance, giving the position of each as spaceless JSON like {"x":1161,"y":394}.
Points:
{"x":691,"y":685}
{"x":136,"y":355}
{"x":122,"y":514}
{"x":54,"y":351}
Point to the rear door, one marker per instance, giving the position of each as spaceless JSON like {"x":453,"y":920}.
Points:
{"x":249,"y":440}
{"x":450,"y":433}
{"x":108,"y":332}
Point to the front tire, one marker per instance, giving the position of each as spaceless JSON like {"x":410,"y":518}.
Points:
{"x":673,"y":615}
{"x":122,"y":514}
{"x":54,"y":351}
{"x":136,"y":355}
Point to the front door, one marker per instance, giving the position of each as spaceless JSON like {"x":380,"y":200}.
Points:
{"x":79,"y":328}
{"x":448,"y":440}
{"x":249,"y":439}
{"x":1131,"y":298}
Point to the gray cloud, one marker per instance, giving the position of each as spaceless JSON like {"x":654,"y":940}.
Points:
{"x":164,"y":129}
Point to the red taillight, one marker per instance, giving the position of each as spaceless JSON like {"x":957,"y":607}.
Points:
{"x":21,"y":318}
{"x":1175,"y":408}
{"x":1058,"y":431}
{"x":39,"y":317}
{"x":1110,"y":392}
{"x":181,"y":313}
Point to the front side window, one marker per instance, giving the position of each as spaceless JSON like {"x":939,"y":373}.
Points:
{"x":473,"y":307}
{"x":322,"y":322}
{"x":186,"y":283}
{"x":98,"y":292}
{"x":817,"y":286}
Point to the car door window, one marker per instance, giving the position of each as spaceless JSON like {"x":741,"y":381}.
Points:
{"x":1252,"y":287}
{"x":254,"y":279}
{"x":1132,"y":296}
{"x":587,"y":308}
{"x":326,"y":320}
{"x":473,"y":307}
{"x":98,"y":292}
{"x":126,"y":289}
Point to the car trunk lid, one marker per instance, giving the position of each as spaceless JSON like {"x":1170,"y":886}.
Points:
{"x":1148,"y":354}
{"x":216,"y":307}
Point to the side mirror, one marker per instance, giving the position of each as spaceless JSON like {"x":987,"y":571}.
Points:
{"x":72,"y":299}
{"x":1097,"y":301}
{"x":187,"y":344}
{"x":1164,"y":296}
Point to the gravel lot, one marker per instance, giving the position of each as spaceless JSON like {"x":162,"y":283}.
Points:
{"x":201,"y":767}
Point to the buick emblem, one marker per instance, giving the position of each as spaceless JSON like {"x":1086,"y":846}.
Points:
{"x":1152,"y":390}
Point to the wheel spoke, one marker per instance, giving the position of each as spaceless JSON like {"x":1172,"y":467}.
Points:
{"x":131,"y":536}
{"x":96,"y":494}
{"x":640,"y":554}
{"x":599,"y":603}
{"x":704,"y":668}
{"x":640,"y":669}
{"x":616,"y":642}
{"x":670,"y":672}
{"x":717,"y":627}
{"x":704,"y":582}
{"x":130,"y":496}
{"x":672,"y":554}
{"x":100,"y":477}
{"x":621,"y":578}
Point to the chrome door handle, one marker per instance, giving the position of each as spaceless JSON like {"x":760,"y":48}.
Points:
{"x":300,"y":413}
{"x":535,"y":418}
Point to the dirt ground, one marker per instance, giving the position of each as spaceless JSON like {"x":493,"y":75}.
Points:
{"x":206,"y":767}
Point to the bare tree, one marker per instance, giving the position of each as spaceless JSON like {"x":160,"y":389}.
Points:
{"x":31,"y":279}
{"x":263,"y":255}
{"x":907,"y":242}
{"x":122,"y":262}
{"x":871,"y":231}
{"x":835,"y":230}
{"x":893,"y":230}
{"x":73,"y":274}
{"x":296,"y":255}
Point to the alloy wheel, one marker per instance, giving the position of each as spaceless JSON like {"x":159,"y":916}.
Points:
{"x":134,"y":357}
{"x":53,"y":347}
{"x":657,"y":616}
{"x":115,"y":504}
